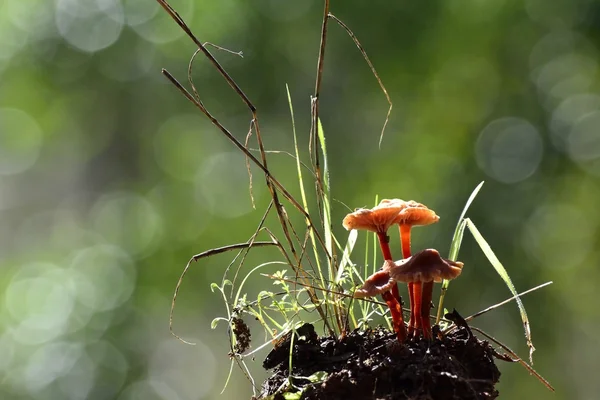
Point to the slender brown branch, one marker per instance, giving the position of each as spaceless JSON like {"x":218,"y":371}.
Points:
{"x":490,"y":308}
{"x":373,"y":70}
{"x":208,"y":55}
{"x":208,"y":253}
{"x":248,"y":166}
{"x":246,"y":152}
{"x":259,"y":228}
{"x":516,"y":358}
{"x":313,"y":146}
{"x":271,"y":183}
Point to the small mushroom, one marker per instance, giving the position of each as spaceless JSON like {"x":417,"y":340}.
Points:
{"x":425,"y":267}
{"x":413,"y":214}
{"x":381,"y":283}
{"x":378,"y":283}
{"x":378,"y":220}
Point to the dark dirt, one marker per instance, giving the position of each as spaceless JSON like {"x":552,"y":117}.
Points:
{"x":373,"y":365}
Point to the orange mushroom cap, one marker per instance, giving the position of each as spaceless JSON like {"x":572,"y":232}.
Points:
{"x":378,"y":283}
{"x":425,"y":266}
{"x":376,"y":219}
{"x":414,"y":213}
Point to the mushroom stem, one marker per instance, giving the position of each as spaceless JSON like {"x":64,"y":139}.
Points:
{"x":396,"y":312}
{"x":411,"y":300}
{"x":416,"y":311}
{"x":425,"y":308}
{"x":405,"y":239}
{"x":384,"y":243}
{"x":405,"y":242}
{"x":392,"y":299}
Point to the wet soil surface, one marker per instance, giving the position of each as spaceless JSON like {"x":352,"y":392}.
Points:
{"x":373,"y":365}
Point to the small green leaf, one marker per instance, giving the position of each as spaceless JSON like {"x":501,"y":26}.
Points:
{"x":292,"y":396}
{"x":318,"y":376}
{"x":215,"y":322}
{"x":214,"y":286}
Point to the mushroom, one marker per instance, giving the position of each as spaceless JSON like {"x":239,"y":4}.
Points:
{"x":378,"y":220}
{"x":381,"y":283}
{"x":412,"y":214}
{"x":425,"y":267}
{"x":378,"y":283}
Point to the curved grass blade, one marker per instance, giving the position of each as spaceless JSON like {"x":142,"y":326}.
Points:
{"x":346,"y":255}
{"x":455,"y":247}
{"x":489,"y":253}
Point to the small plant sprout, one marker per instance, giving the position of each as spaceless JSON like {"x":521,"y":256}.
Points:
{"x":378,"y":220}
{"x":425,"y":267}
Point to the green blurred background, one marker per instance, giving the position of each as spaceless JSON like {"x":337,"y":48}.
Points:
{"x":110,"y":180}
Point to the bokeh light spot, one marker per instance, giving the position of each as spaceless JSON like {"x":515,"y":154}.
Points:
{"x":567,"y":75}
{"x":190,"y":220}
{"x":128,"y":221}
{"x":41,"y":303}
{"x":170,"y":362}
{"x":567,"y":114}
{"x":50,"y":362}
{"x":559,"y":236}
{"x":584,"y":142}
{"x":112,"y":366}
{"x":111,"y":277}
{"x":89,"y":25}
{"x":148,"y":390}
{"x":20,"y":141}
{"x":79,"y":381}
{"x":223,"y":184}
{"x":137,"y":12}
{"x":557,"y":13}
{"x":22,"y":13}
{"x":157,"y":28}
{"x":180,"y":146}
{"x":563,"y":63}
{"x":509,"y":149}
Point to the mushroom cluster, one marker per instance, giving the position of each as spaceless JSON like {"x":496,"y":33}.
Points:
{"x":419,"y":271}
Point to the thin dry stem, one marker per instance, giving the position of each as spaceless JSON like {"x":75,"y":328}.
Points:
{"x":373,"y":71}
{"x":248,"y":136}
{"x":259,"y":228}
{"x":273,"y":185}
{"x":197,"y":257}
{"x":516,"y":358}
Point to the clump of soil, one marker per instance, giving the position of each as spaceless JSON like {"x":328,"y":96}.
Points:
{"x":373,"y":365}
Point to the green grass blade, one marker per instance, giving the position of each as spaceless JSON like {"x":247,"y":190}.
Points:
{"x":326,"y":191}
{"x":460,"y":228}
{"x":239,"y":291}
{"x":228,"y":377}
{"x":301,"y":183}
{"x":346,"y":255}
{"x":487,"y":250}
{"x":459,"y":232}
{"x":298,"y":164}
